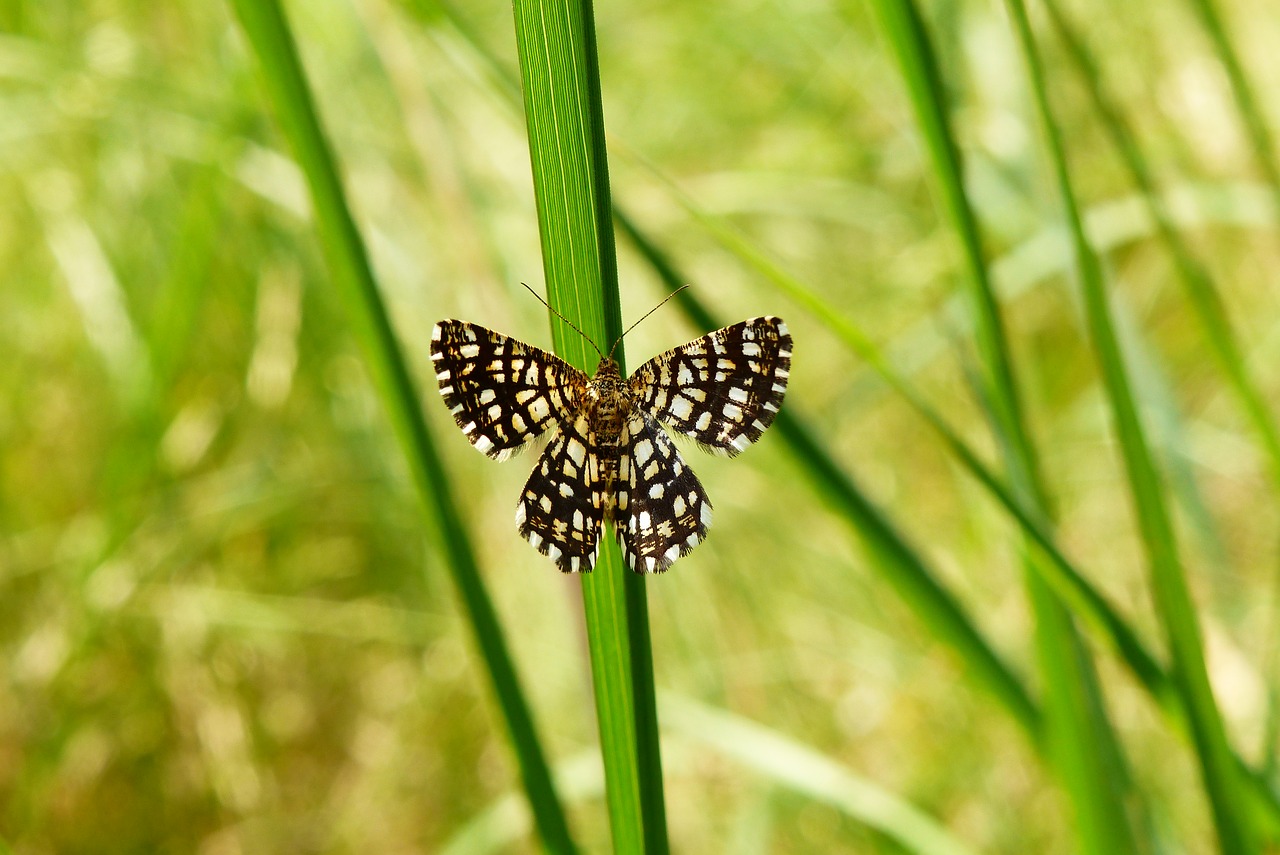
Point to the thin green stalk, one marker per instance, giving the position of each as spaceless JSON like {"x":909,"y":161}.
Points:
{"x":269,"y":36}
{"x":1173,"y":598}
{"x":560,"y":81}
{"x":1067,"y":581}
{"x":1203,"y":294}
{"x":799,"y":767}
{"x":901,"y":564}
{"x":1075,"y":712}
{"x":1255,"y":123}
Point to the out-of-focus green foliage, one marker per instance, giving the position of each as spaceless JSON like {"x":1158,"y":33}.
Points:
{"x":226,"y":626}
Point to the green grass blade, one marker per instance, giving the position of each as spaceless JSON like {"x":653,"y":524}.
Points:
{"x":1083,"y":746}
{"x":560,"y":80}
{"x":1174,"y":607}
{"x":268,"y":34}
{"x":1067,"y":580}
{"x":1201,"y":290}
{"x":775,"y":757}
{"x":902,"y":565}
{"x":1255,"y":123}
{"x":801,"y":768}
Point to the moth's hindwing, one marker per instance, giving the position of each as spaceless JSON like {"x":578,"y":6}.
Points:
{"x":561,"y":508}
{"x":660,"y":510}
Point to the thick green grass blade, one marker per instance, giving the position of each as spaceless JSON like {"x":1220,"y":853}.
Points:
{"x":272,"y":43}
{"x":560,"y":80}
{"x":1174,"y":606}
{"x":1083,"y":747}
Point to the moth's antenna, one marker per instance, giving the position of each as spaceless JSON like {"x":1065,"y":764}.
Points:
{"x":646,"y":314}
{"x":566,"y":320}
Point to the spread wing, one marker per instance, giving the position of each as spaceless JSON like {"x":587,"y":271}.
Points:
{"x":723,"y":389}
{"x":503,"y":393}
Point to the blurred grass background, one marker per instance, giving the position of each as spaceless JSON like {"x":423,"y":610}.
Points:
{"x":226,"y":628}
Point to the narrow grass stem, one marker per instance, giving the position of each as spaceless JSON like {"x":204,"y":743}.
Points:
{"x":269,"y":36}
{"x":1169,"y":586}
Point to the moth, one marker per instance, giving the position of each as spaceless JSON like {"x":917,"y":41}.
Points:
{"x":610,"y":456}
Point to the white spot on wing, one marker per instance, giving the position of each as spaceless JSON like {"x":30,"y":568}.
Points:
{"x":681,"y":408}
{"x":642,"y":452}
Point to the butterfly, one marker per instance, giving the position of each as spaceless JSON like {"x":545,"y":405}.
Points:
{"x":610,"y":456}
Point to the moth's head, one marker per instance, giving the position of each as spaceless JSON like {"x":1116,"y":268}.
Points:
{"x":607,"y":369}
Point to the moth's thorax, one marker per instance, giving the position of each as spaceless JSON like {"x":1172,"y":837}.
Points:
{"x":608,"y":402}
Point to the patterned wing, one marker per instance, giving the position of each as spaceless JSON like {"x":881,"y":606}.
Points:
{"x":561,"y":507}
{"x":722,"y":389}
{"x":660,"y":509}
{"x":503,"y":393}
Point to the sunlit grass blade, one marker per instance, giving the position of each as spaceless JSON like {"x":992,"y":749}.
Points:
{"x":1255,"y":122}
{"x":268,"y":34}
{"x":902,"y":565}
{"x":1202,"y":292}
{"x":798,"y":767}
{"x":777,"y":759}
{"x":1174,"y":606}
{"x":1068,"y":581}
{"x":1083,"y":746}
{"x":1196,"y":279}
{"x":559,"y":75}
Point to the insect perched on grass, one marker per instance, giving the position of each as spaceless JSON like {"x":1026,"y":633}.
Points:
{"x":609,"y":456}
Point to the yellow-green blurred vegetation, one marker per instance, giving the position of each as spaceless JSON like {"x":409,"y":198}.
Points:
{"x":225,"y":624}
